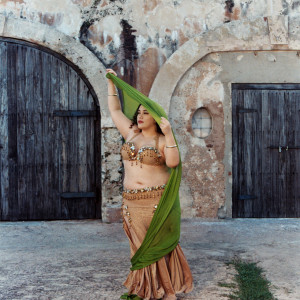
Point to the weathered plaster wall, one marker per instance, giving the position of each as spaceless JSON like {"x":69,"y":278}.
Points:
{"x":202,"y":188}
{"x":131,"y":34}
{"x":152,"y":44}
{"x":207,"y":163}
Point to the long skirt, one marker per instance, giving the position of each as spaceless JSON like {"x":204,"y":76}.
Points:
{"x":166,"y":277}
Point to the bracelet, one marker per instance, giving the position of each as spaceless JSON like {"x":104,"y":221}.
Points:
{"x":113,"y":95}
{"x":174,"y":146}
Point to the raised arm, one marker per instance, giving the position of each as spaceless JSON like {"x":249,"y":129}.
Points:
{"x":171,"y":152}
{"x":114,"y":106}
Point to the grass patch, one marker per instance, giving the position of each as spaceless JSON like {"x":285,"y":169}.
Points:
{"x":250,"y":283}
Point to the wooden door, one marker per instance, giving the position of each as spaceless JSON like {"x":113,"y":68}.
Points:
{"x":266,"y":150}
{"x":49,"y":137}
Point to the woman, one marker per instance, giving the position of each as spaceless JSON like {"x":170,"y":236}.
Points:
{"x":150,"y":150}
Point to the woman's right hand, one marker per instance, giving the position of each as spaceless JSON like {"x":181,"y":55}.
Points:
{"x":111,"y":71}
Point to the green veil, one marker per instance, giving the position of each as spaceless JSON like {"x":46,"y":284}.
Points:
{"x":164,"y":231}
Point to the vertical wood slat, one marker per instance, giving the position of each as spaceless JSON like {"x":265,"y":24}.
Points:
{"x":28,"y":145}
{"x":291,"y":115}
{"x":82,"y":140}
{"x":39,"y":169}
{"x":12,"y":133}
{"x":297,"y":155}
{"x":4,"y":167}
{"x":249,"y":120}
{"x":48,"y":141}
{"x":21,"y":132}
{"x":293,"y":172}
{"x":41,"y":146}
{"x":73,"y":140}
{"x":249,"y":156}
{"x":283,"y":108}
{"x":72,"y":144}
{"x":64,"y":133}
{"x":273,"y":154}
{"x":85,"y":156}
{"x":90,"y":150}
{"x":266,"y":172}
{"x":278,"y":205}
{"x":253,"y":101}
{"x":55,"y":164}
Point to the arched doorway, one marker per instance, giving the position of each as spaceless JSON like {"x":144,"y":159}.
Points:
{"x":166,"y":88}
{"x":50,"y":161}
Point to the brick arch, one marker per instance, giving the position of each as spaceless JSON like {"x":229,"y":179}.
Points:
{"x":234,"y":36}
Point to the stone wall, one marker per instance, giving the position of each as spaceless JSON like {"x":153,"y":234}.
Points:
{"x":111,"y":174}
{"x":159,"y":46}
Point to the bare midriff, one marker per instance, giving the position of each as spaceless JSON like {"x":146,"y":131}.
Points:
{"x":147,"y":176}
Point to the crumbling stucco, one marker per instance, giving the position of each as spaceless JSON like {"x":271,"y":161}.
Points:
{"x":161,"y":25}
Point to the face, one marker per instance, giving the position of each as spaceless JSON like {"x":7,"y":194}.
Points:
{"x":144,"y":119}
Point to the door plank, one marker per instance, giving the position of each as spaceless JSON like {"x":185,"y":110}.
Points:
{"x":21,"y":132}
{"x":4,"y":165}
{"x":55,"y":134}
{"x":12,"y":133}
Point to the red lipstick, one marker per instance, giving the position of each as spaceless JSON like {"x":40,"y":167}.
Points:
{"x":140,"y":122}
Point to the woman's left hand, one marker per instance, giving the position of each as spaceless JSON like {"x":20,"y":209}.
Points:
{"x":165,"y":126}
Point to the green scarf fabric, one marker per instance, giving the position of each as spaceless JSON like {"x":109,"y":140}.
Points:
{"x":164,"y":231}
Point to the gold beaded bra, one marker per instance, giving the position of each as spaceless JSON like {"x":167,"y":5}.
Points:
{"x":145,"y":155}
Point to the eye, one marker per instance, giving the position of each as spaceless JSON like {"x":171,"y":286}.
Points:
{"x":146,"y":113}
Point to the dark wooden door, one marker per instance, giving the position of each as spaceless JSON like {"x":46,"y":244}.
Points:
{"x":50,"y":137}
{"x":266,"y":150}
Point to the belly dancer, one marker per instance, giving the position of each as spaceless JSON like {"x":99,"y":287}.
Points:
{"x":149,"y":154}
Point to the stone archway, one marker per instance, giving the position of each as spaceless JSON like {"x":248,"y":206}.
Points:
{"x":256,"y":35}
{"x":65,"y":45}
{"x":69,"y":47}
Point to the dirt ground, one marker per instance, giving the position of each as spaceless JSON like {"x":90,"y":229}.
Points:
{"x":90,"y":260}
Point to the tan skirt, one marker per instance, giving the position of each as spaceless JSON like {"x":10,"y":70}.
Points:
{"x":166,"y":277}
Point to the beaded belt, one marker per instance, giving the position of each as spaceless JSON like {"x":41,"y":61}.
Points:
{"x":145,"y":189}
{"x":146,"y":192}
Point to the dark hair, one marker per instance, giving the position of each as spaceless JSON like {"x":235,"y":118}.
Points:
{"x":134,"y":121}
